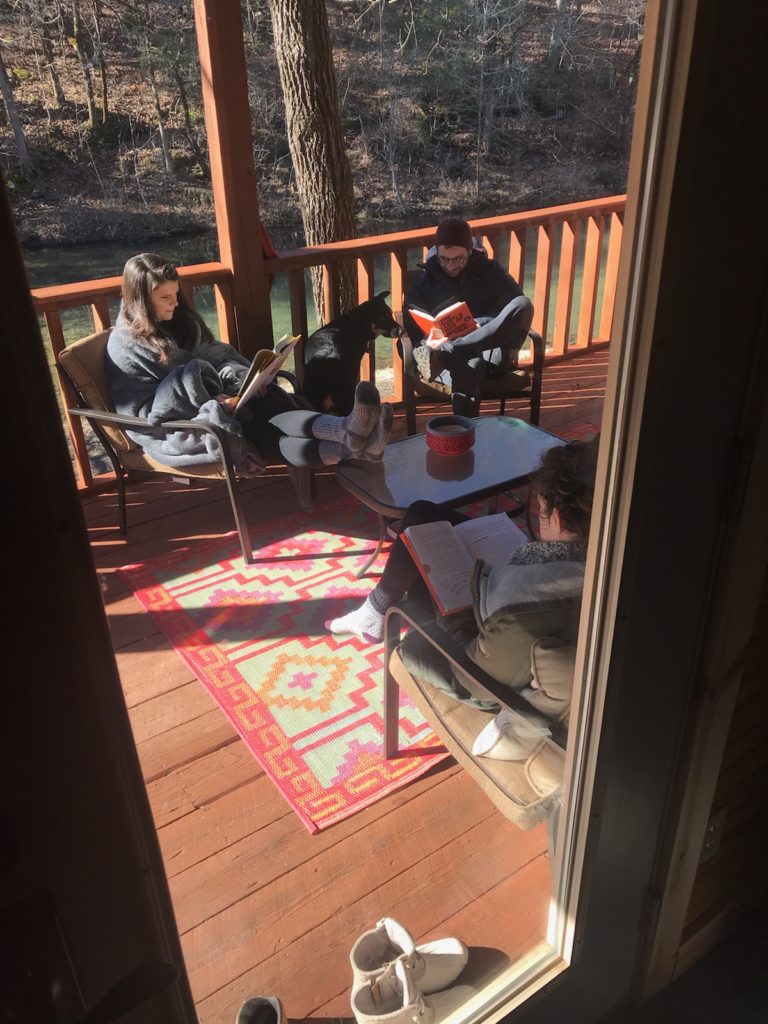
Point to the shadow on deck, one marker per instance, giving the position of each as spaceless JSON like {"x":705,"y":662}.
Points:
{"x":262,"y":906}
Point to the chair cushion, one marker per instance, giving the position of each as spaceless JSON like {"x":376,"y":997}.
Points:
{"x":525,"y":791}
{"x":509,"y":383}
{"x":552,"y":668}
{"x":83,"y":364}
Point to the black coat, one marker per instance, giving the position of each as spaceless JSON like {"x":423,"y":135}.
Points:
{"x":484,"y":285}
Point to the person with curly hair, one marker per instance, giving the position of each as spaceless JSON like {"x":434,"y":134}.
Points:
{"x":162,"y":363}
{"x":563,"y":487}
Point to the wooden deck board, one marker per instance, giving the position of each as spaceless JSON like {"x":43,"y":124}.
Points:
{"x":263,"y":906}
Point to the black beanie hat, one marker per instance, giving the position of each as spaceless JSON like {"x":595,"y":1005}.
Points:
{"x":454,"y":231}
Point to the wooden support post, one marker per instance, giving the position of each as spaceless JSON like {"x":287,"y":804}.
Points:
{"x":227,"y":119}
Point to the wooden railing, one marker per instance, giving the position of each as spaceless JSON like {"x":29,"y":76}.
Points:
{"x":566,"y":258}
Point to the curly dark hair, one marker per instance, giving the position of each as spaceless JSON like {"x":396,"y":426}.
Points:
{"x":565,"y":481}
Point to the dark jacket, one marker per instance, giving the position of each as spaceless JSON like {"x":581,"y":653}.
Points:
{"x":484,"y":285}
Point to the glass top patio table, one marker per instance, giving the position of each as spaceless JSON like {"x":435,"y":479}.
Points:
{"x":505,"y":453}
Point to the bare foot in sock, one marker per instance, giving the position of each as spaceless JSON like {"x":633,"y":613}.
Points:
{"x":377,"y":442}
{"x":364,"y":622}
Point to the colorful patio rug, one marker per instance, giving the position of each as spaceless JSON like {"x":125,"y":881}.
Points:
{"x":308,"y":705}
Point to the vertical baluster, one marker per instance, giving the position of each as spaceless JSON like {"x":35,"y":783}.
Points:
{"x":298,"y":317}
{"x":491,"y":244}
{"x":364,"y":293}
{"x":517,"y":255}
{"x":566,"y":274}
{"x":543,"y":281}
{"x":225,"y":312}
{"x":398,"y":262}
{"x":188,"y":290}
{"x":100,"y":315}
{"x":74,"y":423}
{"x":611,"y":277}
{"x":589,"y":283}
{"x":330,"y":291}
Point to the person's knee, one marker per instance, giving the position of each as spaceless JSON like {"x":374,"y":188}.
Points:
{"x":420,"y":512}
{"x":524,"y":313}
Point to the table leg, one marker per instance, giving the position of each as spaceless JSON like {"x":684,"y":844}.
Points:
{"x":379,"y":546}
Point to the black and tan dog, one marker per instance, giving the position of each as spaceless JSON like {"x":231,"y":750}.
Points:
{"x":332,"y":354}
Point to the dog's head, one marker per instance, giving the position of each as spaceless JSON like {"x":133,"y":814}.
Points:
{"x":379,"y":316}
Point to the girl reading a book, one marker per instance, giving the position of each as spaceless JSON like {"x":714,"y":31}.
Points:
{"x":563,"y":488}
{"x":162,"y":363}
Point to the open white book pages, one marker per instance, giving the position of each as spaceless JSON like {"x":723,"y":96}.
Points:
{"x":264,"y":367}
{"x":445,"y":554}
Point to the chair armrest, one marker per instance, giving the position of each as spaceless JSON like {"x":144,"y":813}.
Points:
{"x":406,"y":347}
{"x":458,"y":658}
{"x":140,"y":423}
{"x":292,"y":379}
{"x":537,"y":344}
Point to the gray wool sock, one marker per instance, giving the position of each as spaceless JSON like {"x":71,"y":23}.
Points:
{"x":365,"y":414}
{"x":355,"y":429}
{"x":374,"y":448}
{"x":332,"y":452}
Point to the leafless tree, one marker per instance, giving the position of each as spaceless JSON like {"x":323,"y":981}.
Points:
{"x":12,"y":113}
{"x":323,"y":176}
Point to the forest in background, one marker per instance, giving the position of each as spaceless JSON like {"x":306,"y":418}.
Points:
{"x":478,"y":107}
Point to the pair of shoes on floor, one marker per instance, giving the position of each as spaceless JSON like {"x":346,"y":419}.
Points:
{"x":260,"y":1010}
{"x":396,"y":981}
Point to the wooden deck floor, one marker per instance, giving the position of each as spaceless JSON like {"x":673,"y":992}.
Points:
{"x":262,"y":906}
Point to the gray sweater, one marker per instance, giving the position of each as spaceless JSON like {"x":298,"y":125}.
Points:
{"x":183,"y":388}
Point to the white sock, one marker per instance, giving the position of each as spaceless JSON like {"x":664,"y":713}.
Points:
{"x":364,"y":622}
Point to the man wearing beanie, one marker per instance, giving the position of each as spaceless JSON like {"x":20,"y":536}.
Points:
{"x":458,"y":269}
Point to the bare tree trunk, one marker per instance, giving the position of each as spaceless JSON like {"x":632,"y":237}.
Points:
{"x":196,"y":151}
{"x":167,"y":162}
{"x":77,"y":43}
{"x":50,"y":66}
{"x":315,"y":138}
{"x":100,"y":60}
{"x":558,"y":34}
{"x":12,"y":112}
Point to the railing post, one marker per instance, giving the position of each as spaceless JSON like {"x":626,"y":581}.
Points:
{"x":543,"y":282}
{"x":566,"y":273}
{"x":364,"y":293}
{"x":233,"y":176}
{"x":611,"y":276}
{"x":589,"y":282}
{"x":74,"y":424}
{"x":516,"y":265}
{"x":298,"y":294}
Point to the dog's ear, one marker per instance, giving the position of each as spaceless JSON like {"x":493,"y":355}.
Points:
{"x":382,"y":295}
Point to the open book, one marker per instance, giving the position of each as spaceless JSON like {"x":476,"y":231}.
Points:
{"x":445,"y":554}
{"x":264,"y":367}
{"x":453,"y":322}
